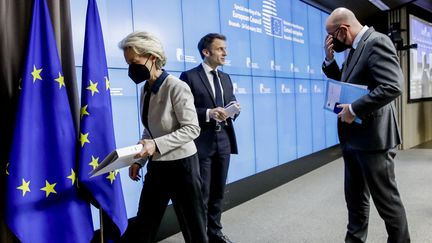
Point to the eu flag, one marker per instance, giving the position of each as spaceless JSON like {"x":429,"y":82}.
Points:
{"x":96,"y":130}
{"x":42,"y":204}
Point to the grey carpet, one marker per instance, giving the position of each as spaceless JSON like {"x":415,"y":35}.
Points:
{"x":312,"y":207}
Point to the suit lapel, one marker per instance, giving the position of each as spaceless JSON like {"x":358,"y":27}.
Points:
{"x":206,"y":82}
{"x":356,"y":55}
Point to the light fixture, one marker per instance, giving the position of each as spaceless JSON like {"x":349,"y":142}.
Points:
{"x":379,"y":4}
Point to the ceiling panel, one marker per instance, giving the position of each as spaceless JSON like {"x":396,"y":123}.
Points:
{"x":363,"y":9}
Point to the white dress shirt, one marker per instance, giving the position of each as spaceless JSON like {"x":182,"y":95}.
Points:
{"x":207,"y":70}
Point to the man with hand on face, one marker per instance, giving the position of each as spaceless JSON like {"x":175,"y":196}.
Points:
{"x":368,"y":147}
{"x":170,"y":126}
{"x":212,"y":90}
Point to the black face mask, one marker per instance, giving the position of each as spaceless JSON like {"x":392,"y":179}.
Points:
{"x":139,"y":72}
{"x":339,"y":46}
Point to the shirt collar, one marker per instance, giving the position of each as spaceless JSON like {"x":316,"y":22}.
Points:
{"x":359,"y":36}
{"x":208,"y":69}
{"x":157,"y":84}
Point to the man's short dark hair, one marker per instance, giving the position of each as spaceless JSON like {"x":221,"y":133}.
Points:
{"x":207,"y":40}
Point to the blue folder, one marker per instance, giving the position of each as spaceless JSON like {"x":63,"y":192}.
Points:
{"x":343,"y":93}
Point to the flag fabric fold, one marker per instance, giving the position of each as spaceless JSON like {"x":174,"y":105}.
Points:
{"x":42,"y":202}
{"x":96,"y":129}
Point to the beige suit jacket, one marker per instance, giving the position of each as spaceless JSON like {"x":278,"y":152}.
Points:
{"x":172,"y":120}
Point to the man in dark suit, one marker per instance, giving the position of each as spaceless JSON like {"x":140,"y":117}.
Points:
{"x":368,"y":147}
{"x":212,"y":90}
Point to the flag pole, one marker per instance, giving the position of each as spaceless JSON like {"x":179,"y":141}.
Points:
{"x":101,"y":224}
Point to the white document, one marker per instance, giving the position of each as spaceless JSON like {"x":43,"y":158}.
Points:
{"x":333,"y":95}
{"x":231,"y":109}
{"x":117,"y":159}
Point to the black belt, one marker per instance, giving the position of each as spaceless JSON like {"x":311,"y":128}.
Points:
{"x":217,"y":126}
{"x":220,"y":125}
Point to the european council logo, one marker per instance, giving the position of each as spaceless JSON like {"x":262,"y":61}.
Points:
{"x":276,"y":24}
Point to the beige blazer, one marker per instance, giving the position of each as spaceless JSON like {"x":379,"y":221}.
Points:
{"x":172,"y":120}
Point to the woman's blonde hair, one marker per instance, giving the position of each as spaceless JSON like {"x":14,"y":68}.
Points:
{"x":143,"y":43}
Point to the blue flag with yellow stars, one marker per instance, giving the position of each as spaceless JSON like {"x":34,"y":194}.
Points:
{"x":42,"y":203}
{"x":96,"y":130}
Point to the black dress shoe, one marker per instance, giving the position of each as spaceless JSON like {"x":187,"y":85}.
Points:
{"x":219,"y":239}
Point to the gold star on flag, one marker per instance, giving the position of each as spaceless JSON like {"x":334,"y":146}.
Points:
{"x":49,"y":188}
{"x":107,"y":83}
{"x":116,"y":172}
{"x":84,"y":111}
{"x":7,"y":166}
{"x":60,"y":80}
{"x":36,"y":73}
{"x":95,"y":162}
{"x":93,"y":87}
{"x":72,"y":176}
{"x":84,"y":139}
{"x":25,"y":187}
{"x":111,"y":176}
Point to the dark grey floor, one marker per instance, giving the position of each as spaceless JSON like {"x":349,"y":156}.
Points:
{"x":427,"y":145}
{"x":312,"y":207}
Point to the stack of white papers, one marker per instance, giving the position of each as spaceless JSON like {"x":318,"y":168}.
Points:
{"x":117,"y":159}
{"x":232,"y":109}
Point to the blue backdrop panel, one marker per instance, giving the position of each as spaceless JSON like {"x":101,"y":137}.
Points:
{"x":163,"y":18}
{"x":318,"y":115}
{"x":300,"y":39}
{"x":286,"y":120}
{"x":243,"y":164}
{"x":283,"y":40}
{"x":262,"y":58}
{"x":233,"y":22}
{"x":113,"y":30}
{"x":265,"y":116}
{"x":208,"y":10}
{"x":316,"y":43}
{"x":303,"y":116}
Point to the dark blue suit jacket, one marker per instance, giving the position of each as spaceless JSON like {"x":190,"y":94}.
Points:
{"x":204,"y":99}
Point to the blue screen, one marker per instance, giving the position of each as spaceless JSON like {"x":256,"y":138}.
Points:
{"x":163,"y":18}
{"x":265,"y":117}
{"x":113,"y":30}
{"x":208,"y":10}
{"x":233,"y":22}
{"x":316,"y":43}
{"x":286,"y":120}
{"x":318,"y":115}
{"x":283,"y":41}
{"x":243,"y":164}
{"x":420,"y":58}
{"x":300,"y":39}
{"x":275,"y":51}
{"x":261,"y":36}
{"x":303,"y":116}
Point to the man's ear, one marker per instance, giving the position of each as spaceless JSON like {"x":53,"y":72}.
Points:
{"x":205,"y":52}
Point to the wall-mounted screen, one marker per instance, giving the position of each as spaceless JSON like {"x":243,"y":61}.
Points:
{"x":420,"y":59}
